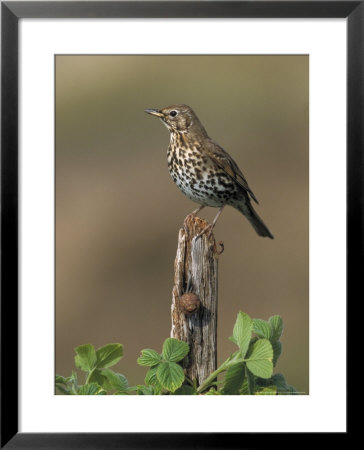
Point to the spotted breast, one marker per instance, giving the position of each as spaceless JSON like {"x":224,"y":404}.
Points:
{"x":196,"y":174}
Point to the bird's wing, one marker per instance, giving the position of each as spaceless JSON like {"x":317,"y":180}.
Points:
{"x":223,"y":160}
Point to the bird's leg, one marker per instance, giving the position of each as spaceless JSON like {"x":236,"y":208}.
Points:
{"x":210,"y":227}
{"x":193,"y":213}
{"x":215,"y":220}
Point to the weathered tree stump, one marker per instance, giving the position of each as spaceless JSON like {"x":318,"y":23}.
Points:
{"x":194,"y":298}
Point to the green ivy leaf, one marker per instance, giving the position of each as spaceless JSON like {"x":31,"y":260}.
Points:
{"x":74,"y":383}
{"x":276,"y":323}
{"x":90,"y":389}
{"x":85,"y":358}
{"x":277,"y":350}
{"x":115,"y":380}
{"x":109,"y":355}
{"x":170,"y":375}
{"x":151,"y":378}
{"x":109,"y":380}
{"x":185,"y":390}
{"x":262,"y":328}
{"x":242,"y":332}
{"x":63,"y":389}
{"x":149,"y":358}
{"x":174,"y":350}
{"x":234,"y":379}
{"x":253,"y":340}
{"x":98,"y":378}
{"x":260,"y":360}
{"x":62,"y":380}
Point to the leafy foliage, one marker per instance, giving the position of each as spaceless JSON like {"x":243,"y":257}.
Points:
{"x":149,"y":358}
{"x":234,"y":379}
{"x":165,"y":373}
{"x":260,"y":361}
{"x":85,"y":358}
{"x":170,"y":375}
{"x":242,"y":332}
{"x":109,"y":355}
{"x":247,"y":371}
{"x":174,"y":350}
{"x":262,"y":329}
{"x":100,"y":380}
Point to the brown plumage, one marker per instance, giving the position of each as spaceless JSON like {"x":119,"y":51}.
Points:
{"x":203,"y":170}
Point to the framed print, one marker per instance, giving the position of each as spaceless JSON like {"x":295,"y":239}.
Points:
{"x":109,"y":283}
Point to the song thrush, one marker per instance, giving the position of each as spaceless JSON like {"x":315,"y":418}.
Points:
{"x":203,"y":170}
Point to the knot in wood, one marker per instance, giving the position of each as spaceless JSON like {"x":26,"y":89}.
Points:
{"x":189,"y":303}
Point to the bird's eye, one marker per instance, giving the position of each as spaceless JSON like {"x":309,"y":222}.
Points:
{"x":173,"y":113}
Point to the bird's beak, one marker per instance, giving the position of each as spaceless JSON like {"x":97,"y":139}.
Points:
{"x":154,"y":112}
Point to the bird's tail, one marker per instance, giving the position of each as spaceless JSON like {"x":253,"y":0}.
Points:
{"x":249,"y":212}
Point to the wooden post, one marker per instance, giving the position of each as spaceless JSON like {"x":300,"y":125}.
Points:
{"x":194,"y":298}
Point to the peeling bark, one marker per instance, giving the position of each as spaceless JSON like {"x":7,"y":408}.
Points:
{"x":195,"y":270}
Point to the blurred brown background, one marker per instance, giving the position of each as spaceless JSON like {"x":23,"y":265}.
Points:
{"x":118,"y":211}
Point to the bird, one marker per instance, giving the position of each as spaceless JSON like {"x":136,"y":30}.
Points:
{"x":203,"y":170}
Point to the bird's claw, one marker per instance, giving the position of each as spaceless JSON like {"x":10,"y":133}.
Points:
{"x":208,"y":228}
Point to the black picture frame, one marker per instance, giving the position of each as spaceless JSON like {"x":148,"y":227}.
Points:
{"x":11,"y":12}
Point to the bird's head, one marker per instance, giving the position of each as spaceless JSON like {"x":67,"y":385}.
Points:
{"x":178,"y":118}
